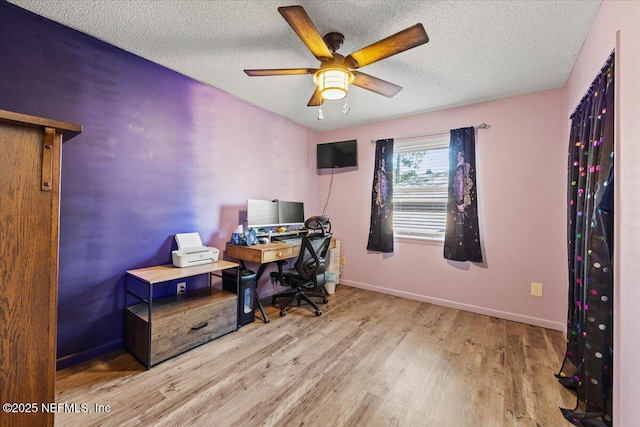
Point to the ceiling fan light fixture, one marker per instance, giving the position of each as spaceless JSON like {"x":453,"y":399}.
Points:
{"x":333,"y":82}
{"x":334,"y":76}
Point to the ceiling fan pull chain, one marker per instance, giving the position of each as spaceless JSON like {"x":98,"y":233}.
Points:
{"x":346,"y":108}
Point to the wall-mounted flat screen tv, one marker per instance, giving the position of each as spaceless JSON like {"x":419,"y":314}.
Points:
{"x":340,"y":154}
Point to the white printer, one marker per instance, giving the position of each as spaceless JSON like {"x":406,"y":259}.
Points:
{"x":191,"y":251}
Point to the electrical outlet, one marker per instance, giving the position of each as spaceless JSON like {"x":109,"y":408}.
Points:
{"x":343,"y":260}
{"x":536,"y":289}
{"x":181,"y":288}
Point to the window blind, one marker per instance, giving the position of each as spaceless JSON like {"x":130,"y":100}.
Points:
{"x":420,"y":188}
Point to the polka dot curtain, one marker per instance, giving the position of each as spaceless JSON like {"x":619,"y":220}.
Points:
{"x":587,"y":368}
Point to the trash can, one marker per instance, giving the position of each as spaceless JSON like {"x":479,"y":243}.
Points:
{"x":331,"y":280}
{"x":246,"y":294}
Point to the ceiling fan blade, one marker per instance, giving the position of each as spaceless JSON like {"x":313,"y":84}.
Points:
{"x":280,"y":72}
{"x":396,"y":43}
{"x":375,"y":84}
{"x":298,"y":19}
{"x":316,"y":99}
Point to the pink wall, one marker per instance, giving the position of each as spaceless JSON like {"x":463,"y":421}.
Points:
{"x":616,"y":26}
{"x":521,"y":181}
{"x":521,"y":191}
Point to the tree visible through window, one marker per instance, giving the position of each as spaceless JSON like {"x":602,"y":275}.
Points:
{"x":420,"y":178}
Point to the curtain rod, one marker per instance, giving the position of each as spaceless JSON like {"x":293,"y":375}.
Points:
{"x":443,"y":132}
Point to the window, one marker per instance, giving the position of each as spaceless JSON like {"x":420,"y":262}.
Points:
{"x":420,"y":178}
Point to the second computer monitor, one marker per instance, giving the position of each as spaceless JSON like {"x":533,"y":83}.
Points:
{"x":290,"y":213}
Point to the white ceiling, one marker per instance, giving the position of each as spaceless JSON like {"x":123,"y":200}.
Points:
{"x":478,"y":50}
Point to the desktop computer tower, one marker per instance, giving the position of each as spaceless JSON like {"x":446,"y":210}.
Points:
{"x":246,"y":294}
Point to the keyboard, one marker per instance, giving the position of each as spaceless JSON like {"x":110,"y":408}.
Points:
{"x":289,"y":240}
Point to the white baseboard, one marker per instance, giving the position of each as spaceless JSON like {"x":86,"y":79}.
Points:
{"x":544,"y":323}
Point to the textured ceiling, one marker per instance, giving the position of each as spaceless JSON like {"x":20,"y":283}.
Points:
{"x":478,"y":50}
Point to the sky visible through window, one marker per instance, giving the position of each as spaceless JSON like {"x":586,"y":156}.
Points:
{"x":423,"y":168}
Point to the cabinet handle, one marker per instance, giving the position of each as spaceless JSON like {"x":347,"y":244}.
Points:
{"x":195,"y":328}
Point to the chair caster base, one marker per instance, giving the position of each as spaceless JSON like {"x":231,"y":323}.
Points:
{"x":318,"y":313}
{"x":283,"y":313}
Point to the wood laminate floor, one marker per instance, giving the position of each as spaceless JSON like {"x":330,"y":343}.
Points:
{"x":370,"y":360}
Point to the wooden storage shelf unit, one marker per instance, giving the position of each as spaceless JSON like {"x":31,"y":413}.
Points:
{"x":156,"y":330}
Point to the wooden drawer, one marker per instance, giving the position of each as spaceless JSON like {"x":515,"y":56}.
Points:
{"x":279,"y":253}
{"x":179,"y":324}
{"x":263,"y":253}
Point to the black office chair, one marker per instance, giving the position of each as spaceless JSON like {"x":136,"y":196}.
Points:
{"x":307,"y":278}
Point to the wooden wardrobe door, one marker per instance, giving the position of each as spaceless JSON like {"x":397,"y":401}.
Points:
{"x":29,"y":212}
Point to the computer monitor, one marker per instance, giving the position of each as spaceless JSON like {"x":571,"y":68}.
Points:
{"x":262,"y":213}
{"x":290,"y":213}
{"x":272,"y":213}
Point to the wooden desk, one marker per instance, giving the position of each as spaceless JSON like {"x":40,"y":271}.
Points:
{"x":158,"y":330}
{"x":267,"y":252}
{"x":264,"y":254}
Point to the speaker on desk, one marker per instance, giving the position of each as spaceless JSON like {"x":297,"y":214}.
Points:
{"x":247,"y":291}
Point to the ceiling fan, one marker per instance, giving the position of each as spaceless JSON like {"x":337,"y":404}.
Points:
{"x":336,"y":72}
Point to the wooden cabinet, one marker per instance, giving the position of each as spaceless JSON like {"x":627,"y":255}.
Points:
{"x":180,"y":323}
{"x":30,"y":150}
{"x":156,"y":330}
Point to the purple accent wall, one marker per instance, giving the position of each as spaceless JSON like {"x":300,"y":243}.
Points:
{"x":160,"y":154}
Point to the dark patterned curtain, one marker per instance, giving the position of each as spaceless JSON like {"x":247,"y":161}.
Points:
{"x":462,"y":236}
{"x":381,"y":226}
{"x":590,"y":254}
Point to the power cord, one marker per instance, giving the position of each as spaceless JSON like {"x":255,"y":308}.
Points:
{"x":329,"y":194}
